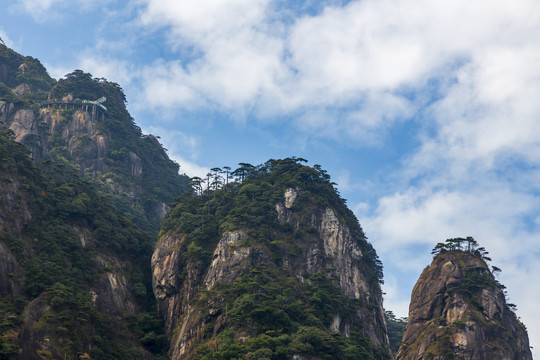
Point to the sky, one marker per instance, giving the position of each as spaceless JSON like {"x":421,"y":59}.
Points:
{"x":426,"y":113}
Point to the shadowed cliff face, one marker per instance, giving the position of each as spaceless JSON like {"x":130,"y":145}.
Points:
{"x":283,"y":288}
{"x":71,"y":268}
{"x":458,"y":311}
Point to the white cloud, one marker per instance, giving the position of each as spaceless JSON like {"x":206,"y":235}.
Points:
{"x":190,"y":168}
{"x":47,"y":10}
{"x":394,"y":298}
{"x":354,"y":66}
{"x":466,"y":71}
{"x":5,"y":38}
{"x":37,"y":8}
{"x":118,"y":71}
{"x":426,"y":216}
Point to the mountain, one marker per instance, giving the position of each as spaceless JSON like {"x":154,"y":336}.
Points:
{"x":79,"y":222}
{"x":264,"y":262}
{"x":272,"y":266}
{"x":83,"y":122}
{"x":74,"y":274}
{"x":458,"y":310}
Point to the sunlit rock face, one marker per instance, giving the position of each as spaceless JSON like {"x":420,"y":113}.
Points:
{"x":458,"y":311}
{"x":328,"y":248}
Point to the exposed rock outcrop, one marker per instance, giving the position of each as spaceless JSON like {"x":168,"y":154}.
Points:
{"x":458,"y":311}
{"x":64,"y":275}
{"x":11,"y":274}
{"x":23,"y":124}
{"x":191,"y":295}
{"x":336,"y":250}
{"x":111,"y":294}
{"x":22,"y":89}
{"x":101,"y":141}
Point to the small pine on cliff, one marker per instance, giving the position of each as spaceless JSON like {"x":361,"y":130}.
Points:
{"x":458,"y":310}
{"x":272,"y":266}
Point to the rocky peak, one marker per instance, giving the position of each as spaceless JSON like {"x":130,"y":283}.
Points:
{"x":62,"y":121}
{"x":458,"y":311}
{"x":232,"y":262}
{"x":72,"y":268}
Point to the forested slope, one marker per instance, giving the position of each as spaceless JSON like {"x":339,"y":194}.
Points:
{"x":62,"y":121}
{"x":75,"y":277}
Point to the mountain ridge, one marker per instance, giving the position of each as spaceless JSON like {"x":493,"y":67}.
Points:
{"x":263,"y":262}
{"x":59,"y":121}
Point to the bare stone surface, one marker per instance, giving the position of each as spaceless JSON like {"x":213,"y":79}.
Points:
{"x":332,"y":249}
{"x":451,"y":318}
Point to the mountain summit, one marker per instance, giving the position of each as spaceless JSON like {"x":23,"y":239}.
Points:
{"x":83,"y":122}
{"x":458,"y":311}
{"x":272,"y":266}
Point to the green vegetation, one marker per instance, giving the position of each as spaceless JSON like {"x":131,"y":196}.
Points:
{"x":159,"y":181}
{"x":23,"y":70}
{"x":99,"y":193}
{"x":60,"y":270}
{"x":467,"y":244}
{"x":249,"y":202}
{"x":284,"y":318}
{"x":396,"y":328}
{"x":278,"y":314}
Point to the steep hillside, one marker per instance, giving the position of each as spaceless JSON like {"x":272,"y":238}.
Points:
{"x":74,"y":274}
{"x":272,"y":266}
{"x":82,"y":121}
{"x":458,"y":311}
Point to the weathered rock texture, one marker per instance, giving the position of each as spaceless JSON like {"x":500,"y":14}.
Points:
{"x":52,"y":119}
{"x":458,"y":311}
{"x":328,"y":248}
{"x":30,"y":316}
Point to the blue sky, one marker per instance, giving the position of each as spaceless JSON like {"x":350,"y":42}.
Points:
{"x":425,"y":113}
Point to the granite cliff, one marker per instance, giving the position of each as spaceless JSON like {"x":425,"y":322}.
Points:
{"x":458,"y":311}
{"x":74,"y":274}
{"x":83,"y":122}
{"x":272,"y":266}
{"x":266,"y":262}
{"x":74,"y":269}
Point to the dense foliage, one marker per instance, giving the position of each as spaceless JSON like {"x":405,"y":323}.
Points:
{"x":60,"y":270}
{"x":396,"y":328}
{"x":16,"y":69}
{"x":159,"y":181}
{"x":142,"y":195}
{"x":467,"y":244}
{"x":249,"y":202}
{"x":279,"y":314}
{"x":77,"y":196}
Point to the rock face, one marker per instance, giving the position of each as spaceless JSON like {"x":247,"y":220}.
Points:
{"x":62,"y":284}
{"x":11,"y":274}
{"x":458,"y":311}
{"x":211,"y":293}
{"x":101,"y":143}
